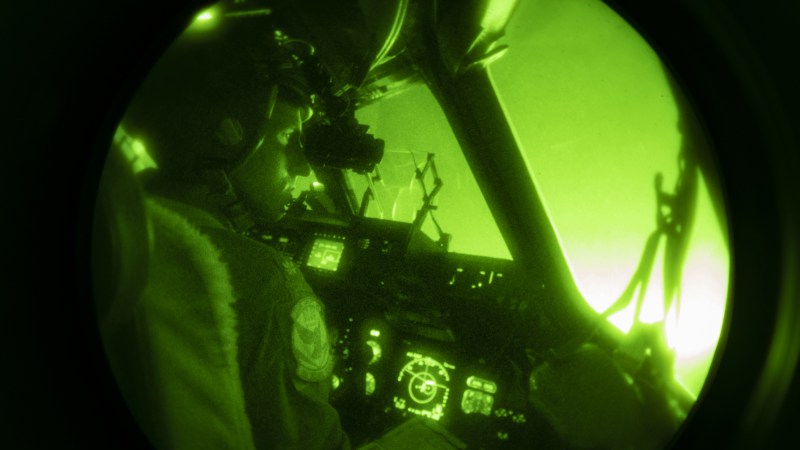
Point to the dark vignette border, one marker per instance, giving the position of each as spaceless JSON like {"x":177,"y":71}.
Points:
{"x":73,"y":65}
{"x":731,"y":59}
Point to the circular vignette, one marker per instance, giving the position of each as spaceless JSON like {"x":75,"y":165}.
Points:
{"x":722,"y":72}
{"x":99,"y":51}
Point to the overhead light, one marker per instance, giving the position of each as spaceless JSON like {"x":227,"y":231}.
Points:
{"x":204,"y":16}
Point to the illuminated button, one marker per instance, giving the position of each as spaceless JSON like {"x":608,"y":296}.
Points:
{"x":369,"y":387}
{"x":476,"y":402}
{"x":375,"y":333}
{"x":376,"y":351}
{"x":502,"y":412}
{"x":482,"y":384}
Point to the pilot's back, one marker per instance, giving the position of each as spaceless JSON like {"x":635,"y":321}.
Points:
{"x":236,"y":341}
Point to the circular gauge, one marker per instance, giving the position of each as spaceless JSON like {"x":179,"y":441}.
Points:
{"x":424,"y":382}
{"x":422,"y":388}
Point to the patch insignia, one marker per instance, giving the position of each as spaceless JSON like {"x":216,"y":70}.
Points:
{"x":310,"y":341}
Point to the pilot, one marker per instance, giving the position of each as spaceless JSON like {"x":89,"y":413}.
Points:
{"x":229,"y":346}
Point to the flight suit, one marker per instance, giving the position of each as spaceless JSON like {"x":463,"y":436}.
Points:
{"x":214,"y":296}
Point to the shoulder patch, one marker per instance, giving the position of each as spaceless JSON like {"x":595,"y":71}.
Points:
{"x":310,"y":341}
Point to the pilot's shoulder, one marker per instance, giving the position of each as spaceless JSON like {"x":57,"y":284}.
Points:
{"x":260,"y":263}
{"x":197,"y":217}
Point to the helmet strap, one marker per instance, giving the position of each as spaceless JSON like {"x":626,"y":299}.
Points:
{"x":222,"y":195}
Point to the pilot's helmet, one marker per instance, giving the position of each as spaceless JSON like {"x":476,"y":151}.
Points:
{"x":207,"y":100}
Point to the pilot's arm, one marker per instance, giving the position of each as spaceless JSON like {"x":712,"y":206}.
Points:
{"x":285,"y":355}
{"x":311,"y":368}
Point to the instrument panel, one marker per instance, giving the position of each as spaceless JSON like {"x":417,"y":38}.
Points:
{"x":418,"y":328}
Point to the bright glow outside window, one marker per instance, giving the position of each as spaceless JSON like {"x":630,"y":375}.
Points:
{"x":593,"y":110}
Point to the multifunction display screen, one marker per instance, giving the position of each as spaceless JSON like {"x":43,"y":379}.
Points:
{"x":424,"y":386}
{"x":325,"y":254}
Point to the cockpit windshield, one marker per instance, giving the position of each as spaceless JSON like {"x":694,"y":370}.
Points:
{"x":413,"y":125}
{"x":597,"y":117}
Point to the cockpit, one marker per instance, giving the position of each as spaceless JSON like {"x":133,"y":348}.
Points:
{"x":479,"y":221}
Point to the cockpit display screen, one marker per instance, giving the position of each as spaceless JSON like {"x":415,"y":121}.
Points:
{"x":423,"y":386}
{"x":325,"y":254}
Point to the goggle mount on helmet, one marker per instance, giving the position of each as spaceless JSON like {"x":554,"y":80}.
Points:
{"x":333,"y":138}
